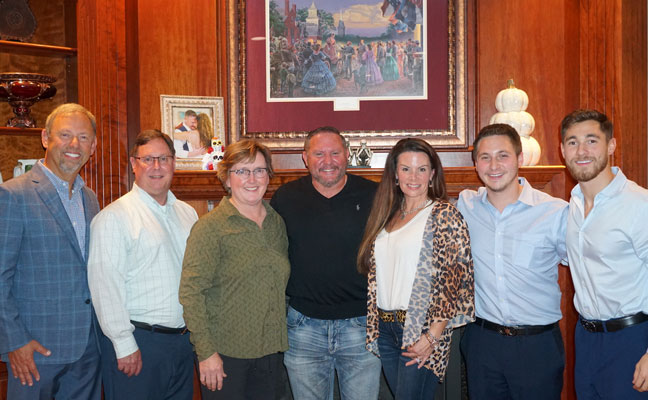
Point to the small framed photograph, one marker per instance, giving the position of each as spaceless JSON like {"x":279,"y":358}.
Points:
{"x":194,"y":123}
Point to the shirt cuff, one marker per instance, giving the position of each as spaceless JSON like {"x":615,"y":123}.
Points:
{"x":125,"y":346}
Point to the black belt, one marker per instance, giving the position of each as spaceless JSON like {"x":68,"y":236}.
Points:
{"x":160,"y":329}
{"x":514,"y":330}
{"x":613,"y":325}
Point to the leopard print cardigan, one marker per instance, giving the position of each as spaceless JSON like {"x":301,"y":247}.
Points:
{"x":444,"y":286}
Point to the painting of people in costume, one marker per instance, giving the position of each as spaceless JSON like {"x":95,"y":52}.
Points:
{"x":326,"y":49}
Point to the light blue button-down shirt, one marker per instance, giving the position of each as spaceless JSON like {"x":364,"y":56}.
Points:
{"x":73,"y":205}
{"x":516,"y":255}
{"x":608,"y":250}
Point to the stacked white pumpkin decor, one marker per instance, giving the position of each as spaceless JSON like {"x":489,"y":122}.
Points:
{"x":511,"y":104}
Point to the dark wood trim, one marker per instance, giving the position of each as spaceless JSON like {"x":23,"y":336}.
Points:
{"x":5,"y":130}
{"x":204,"y":185}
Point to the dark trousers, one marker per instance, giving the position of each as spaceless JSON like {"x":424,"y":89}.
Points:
{"x":605,"y":362}
{"x":404,"y":382}
{"x":80,"y":380}
{"x":513,"y":367}
{"x":248,"y":379}
{"x":167,"y":368}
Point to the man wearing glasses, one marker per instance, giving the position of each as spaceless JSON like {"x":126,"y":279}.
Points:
{"x":325,"y":214}
{"x":136,"y":251}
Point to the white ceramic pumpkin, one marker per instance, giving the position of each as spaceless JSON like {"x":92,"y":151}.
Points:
{"x":522,"y":121}
{"x":531,"y":150}
{"x":511,"y":99}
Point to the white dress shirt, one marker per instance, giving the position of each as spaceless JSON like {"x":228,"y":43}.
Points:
{"x":516,"y":255}
{"x":135,"y":264}
{"x":608,"y":250}
{"x":397,"y":255}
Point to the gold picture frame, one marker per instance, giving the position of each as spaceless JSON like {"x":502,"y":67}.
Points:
{"x":453,"y":135}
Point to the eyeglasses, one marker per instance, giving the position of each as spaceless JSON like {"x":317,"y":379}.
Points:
{"x":245,"y":173}
{"x":150,"y":160}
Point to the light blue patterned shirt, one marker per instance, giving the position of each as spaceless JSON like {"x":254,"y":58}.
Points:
{"x":516,"y":255}
{"x":73,"y":206}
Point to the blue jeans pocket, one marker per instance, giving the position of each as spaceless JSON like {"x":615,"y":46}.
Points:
{"x":294,"y":318}
{"x":359,"y":322}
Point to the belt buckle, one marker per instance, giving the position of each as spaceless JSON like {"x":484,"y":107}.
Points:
{"x":588,"y":325}
{"x":507,"y":331}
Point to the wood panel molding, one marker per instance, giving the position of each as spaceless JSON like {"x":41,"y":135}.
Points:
{"x":613,"y":75}
{"x":101,"y":42}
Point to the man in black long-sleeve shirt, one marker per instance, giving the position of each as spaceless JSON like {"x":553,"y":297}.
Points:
{"x":325,"y":214}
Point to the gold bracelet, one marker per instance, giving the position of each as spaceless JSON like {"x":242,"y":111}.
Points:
{"x":434,"y":341}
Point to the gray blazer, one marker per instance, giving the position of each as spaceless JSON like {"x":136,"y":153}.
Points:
{"x":44,"y":291}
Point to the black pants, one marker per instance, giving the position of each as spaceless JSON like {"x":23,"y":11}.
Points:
{"x":252,"y":379}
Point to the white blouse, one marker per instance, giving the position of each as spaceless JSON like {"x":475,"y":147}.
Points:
{"x":397,"y":255}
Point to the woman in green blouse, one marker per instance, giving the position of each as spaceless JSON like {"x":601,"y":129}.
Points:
{"x":233,"y":282}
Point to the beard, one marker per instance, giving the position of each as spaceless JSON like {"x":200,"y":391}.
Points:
{"x":330,"y":182}
{"x":586,"y":174}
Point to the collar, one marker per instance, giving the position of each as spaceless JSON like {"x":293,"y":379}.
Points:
{"x":525,"y":197}
{"x":229,"y":210}
{"x":60,"y":184}
{"x":151,"y":202}
{"x":614,"y":187}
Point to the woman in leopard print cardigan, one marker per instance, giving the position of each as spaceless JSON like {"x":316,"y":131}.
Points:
{"x":416,"y":254}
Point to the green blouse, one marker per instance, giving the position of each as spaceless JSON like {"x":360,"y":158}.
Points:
{"x":233,"y":284}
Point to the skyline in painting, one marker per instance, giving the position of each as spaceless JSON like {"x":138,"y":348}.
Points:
{"x":326,"y":49}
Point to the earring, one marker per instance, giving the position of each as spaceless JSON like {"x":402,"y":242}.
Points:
{"x":396,"y":181}
{"x":430,"y":185}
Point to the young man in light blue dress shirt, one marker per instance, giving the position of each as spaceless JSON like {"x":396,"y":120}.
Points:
{"x":514,"y":350}
{"x":607,"y":243}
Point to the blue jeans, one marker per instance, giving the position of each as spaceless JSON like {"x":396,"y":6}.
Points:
{"x":318,"y":348}
{"x":405,"y":382}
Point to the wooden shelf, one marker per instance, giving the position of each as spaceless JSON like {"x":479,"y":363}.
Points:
{"x":4,"y":130}
{"x":36,"y":49}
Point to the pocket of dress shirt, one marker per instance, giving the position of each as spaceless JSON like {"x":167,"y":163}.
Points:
{"x":525,"y":246}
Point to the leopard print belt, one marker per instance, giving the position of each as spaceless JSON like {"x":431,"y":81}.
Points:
{"x":392,"y":316}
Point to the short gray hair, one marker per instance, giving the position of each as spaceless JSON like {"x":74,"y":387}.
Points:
{"x":69,"y":108}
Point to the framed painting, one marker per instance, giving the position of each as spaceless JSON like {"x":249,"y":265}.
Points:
{"x":194,"y":123}
{"x":377,"y":70}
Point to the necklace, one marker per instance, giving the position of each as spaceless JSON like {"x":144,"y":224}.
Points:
{"x":419,"y":208}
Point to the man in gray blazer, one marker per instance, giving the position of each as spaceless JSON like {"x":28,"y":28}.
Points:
{"x":47,"y":325}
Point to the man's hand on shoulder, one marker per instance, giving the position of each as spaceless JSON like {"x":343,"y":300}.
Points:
{"x":640,"y":379}
{"x":22,"y":362}
{"x":131,"y":364}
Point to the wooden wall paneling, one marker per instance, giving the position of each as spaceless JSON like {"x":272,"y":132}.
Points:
{"x":632,"y":97}
{"x":526,"y":41}
{"x":613,"y":75}
{"x":13,"y":148}
{"x":102,"y":60}
{"x":178,"y":52}
{"x":3,"y":381}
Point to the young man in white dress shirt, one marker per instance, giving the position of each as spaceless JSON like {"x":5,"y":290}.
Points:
{"x":136,"y":251}
{"x":607,"y":244}
{"x":514,"y":349}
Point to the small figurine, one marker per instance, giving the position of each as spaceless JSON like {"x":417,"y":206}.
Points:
{"x":364,"y":155}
